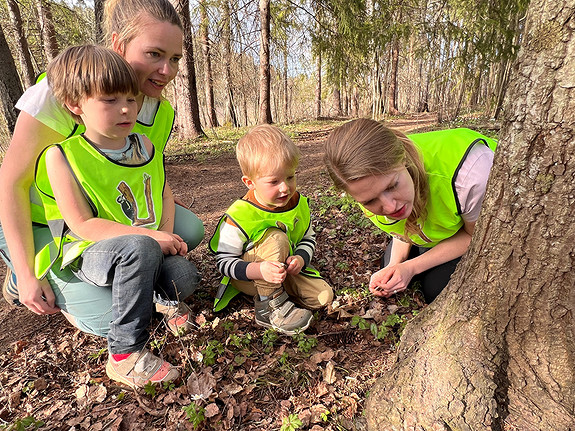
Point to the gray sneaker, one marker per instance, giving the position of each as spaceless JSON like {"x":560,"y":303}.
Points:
{"x":280,"y":313}
{"x":9,"y":289}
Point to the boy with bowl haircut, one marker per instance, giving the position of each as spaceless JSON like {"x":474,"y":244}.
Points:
{"x":264,"y":242}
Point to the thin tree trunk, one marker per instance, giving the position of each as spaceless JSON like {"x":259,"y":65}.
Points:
{"x":318,"y":86}
{"x":265,"y":113}
{"x":10,"y":86}
{"x":21,"y":42}
{"x":227,"y":35}
{"x":47,"y":29}
{"x":98,"y":21}
{"x":392,"y":94}
{"x":285,"y":87}
{"x":208,"y":76}
{"x":496,"y":346}
{"x":189,"y":125}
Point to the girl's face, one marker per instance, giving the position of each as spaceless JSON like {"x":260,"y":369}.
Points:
{"x":154,"y":55}
{"x":389,"y":195}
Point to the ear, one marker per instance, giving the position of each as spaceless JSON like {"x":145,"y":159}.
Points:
{"x":74,"y":108}
{"x":248,"y":182}
{"x":117,"y":45}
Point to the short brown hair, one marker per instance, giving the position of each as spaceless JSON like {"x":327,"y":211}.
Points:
{"x":363,"y":148}
{"x":265,"y":147}
{"x":84,"y":71}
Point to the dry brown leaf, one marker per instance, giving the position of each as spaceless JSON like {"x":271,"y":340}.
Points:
{"x":329,"y":373}
{"x":212,"y":410}
{"x":316,"y":413}
{"x":200,"y":386}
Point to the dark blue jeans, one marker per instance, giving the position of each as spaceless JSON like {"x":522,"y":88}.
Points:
{"x":136,"y":271}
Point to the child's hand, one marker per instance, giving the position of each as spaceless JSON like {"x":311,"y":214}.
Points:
{"x":170,"y":243}
{"x":272,"y":272}
{"x":294,"y":264}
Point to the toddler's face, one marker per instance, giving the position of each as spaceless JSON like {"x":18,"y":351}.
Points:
{"x":275,"y":188}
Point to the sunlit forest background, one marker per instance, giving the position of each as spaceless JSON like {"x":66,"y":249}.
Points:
{"x":327,"y":58}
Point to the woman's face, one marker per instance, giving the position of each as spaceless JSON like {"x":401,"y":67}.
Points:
{"x":390,"y":194}
{"x":154,"y":54}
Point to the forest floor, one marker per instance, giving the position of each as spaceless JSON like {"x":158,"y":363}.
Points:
{"x":235,"y":375}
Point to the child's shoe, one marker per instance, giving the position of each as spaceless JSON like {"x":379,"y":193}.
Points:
{"x":9,"y":289}
{"x":280,"y":313}
{"x":177,"y":318}
{"x":140,"y":368}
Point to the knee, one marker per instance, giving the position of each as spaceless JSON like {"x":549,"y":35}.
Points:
{"x":188,"y":226}
{"x":277,"y":242}
{"x":144,"y":250}
{"x":322,"y":299}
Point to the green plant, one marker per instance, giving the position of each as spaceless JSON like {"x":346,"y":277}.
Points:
{"x":25,"y":424}
{"x":291,"y":423}
{"x":150,"y":389}
{"x":157,"y":343}
{"x":168,"y":386}
{"x":304,"y":343}
{"x":195,"y":413}
{"x":240,"y":342}
{"x":98,"y":354}
{"x":212,"y":351}
{"x":269,"y":338}
{"x":228,"y":325}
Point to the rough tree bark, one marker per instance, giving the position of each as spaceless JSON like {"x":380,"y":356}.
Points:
{"x":265,"y":111}
{"x":208,"y":75}
{"x":498,"y":344}
{"x":10,"y":86}
{"x":188,"y":116}
{"x":23,"y":51}
{"x":47,"y":28}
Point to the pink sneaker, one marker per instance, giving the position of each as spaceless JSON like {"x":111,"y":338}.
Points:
{"x":140,"y":368}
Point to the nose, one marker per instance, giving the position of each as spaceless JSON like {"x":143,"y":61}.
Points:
{"x":387,"y":205}
{"x":283,"y":187}
{"x":167,"y":69}
{"x":125,"y":109}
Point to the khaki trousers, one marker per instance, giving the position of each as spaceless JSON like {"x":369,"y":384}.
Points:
{"x":309,"y":292}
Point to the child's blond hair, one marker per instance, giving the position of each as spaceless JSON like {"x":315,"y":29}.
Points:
{"x":85,"y":71}
{"x":265,"y":148}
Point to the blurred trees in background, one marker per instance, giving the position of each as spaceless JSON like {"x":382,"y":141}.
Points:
{"x":366,"y":58}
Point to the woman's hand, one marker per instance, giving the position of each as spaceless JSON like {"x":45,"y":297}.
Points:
{"x":391,"y":279}
{"x":37,"y":295}
{"x":294,"y":264}
{"x":272,"y":272}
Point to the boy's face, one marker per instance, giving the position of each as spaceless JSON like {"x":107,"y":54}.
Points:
{"x":273,"y":189}
{"x":108,"y":118}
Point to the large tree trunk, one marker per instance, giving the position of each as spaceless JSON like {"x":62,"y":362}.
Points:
{"x":208,"y":75}
{"x":498,"y":344}
{"x":10,"y":86}
{"x":188,"y":120}
{"x":23,"y":51}
{"x":47,"y":28}
{"x":265,"y":112}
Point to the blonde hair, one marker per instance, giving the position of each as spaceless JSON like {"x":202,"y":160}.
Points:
{"x":363,"y":148}
{"x":127,"y":18}
{"x":264,"y":148}
{"x":84,"y":71}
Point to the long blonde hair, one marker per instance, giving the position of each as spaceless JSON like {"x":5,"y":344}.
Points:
{"x":127,"y":18}
{"x":364,"y":148}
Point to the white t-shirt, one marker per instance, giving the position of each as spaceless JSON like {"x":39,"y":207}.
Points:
{"x":39,"y":102}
